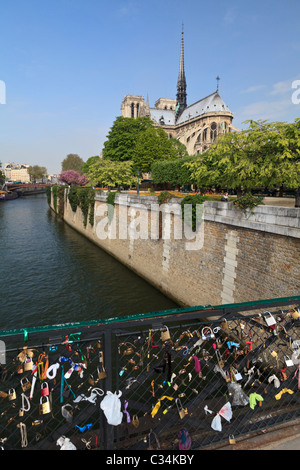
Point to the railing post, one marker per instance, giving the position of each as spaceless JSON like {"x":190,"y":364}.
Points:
{"x":108,"y":352}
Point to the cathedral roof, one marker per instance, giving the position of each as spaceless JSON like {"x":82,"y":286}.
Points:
{"x":165,"y":115}
{"x":212,"y":103}
{"x":209,"y":104}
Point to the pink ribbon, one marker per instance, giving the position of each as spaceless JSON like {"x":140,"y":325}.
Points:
{"x":197,"y":364}
{"x":297,"y":370}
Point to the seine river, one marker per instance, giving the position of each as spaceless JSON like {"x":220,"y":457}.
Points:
{"x":51,"y":274}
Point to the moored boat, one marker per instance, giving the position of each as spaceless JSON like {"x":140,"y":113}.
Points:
{"x":8,"y":195}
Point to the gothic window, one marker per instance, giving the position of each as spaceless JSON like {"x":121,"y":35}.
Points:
{"x":137,"y":109}
{"x":204,"y":137}
{"x":213,"y":131}
{"x":132,"y":110}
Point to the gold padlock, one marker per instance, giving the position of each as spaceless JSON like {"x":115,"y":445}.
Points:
{"x":12,"y":394}
{"x":25,"y":384}
{"x":165,"y":335}
{"x":100,"y":369}
{"x":91,"y":380}
{"x":182,"y":411}
{"x":28,"y":364}
{"x":21,"y":412}
{"x":45,"y":406}
{"x":295,"y":314}
{"x":232,"y":440}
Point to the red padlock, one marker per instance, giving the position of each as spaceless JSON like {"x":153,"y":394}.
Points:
{"x":44,"y":389}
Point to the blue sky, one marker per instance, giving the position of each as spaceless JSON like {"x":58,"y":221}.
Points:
{"x":67,"y":64}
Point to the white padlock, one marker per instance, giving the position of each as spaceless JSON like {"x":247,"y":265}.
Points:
{"x":288,"y":361}
{"x":270,"y":320}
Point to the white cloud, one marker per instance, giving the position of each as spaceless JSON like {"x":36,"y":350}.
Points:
{"x":254,"y":88}
{"x":281,"y":88}
{"x":267,"y":110}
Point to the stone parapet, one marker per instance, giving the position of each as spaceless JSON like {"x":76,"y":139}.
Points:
{"x":278,"y":220}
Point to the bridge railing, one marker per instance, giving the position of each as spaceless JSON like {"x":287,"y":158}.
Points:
{"x":214,"y":374}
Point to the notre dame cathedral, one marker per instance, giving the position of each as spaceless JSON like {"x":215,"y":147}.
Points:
{"x":196,"y":125}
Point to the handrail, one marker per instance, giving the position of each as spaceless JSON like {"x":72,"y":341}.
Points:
{"x":162,"y":313}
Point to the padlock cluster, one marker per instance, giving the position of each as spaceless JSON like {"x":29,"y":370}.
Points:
{"x":177,"y":375}
{"x":183,"y":384}
{"x":48,"y":388}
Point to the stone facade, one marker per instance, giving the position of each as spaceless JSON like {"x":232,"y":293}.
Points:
{"x":235,"y":263}
{"x":197,"y":126}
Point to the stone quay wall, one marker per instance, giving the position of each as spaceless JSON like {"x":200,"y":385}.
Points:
{"x":233,"y":257}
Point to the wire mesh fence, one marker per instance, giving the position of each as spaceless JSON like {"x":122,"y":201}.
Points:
{"x":181,"y":381}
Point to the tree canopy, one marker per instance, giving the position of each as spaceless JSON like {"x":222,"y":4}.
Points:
{"x":37,"y":172}
{"x":90,"y":161}
{"x":139,"y":141}
{"x":72,"y":162}
{"x":122,"y":138}
{"x":174,"y":172}
{"x":153,"y":145}
{"x":111,"y":173}
{"x":266,"y":154}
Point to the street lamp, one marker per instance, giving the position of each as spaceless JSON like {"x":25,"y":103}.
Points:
{"x":138,"y":188}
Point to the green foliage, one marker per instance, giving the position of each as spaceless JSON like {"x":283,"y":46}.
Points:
{"x":48,"y":194}
{"x":137,"y":140}
{"x":111,"y":173}
{"x":110,"y":200}
{"x":263,"y":155}
{"x":152,"y":145}
{"x":122,"y":138}
{"x":73,"y":197}
{"x":37,"y":172}
{"x":86,"y":166}
{"x":247,"y":201}
{"x":164,"y":197}
{"x":72,"y":162}
{"x":61,"y":202}
{"x":172,"y":171}
{"x":193,"y":200}
{"x":85,"y":199}
{"x":54,"y":196}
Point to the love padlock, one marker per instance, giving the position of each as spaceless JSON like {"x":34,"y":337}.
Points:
{"x":44,"y":389}
{"x":45,"y":406}
{"x":28,"y":364}
{"x":270,"y":320}
{"x":12,"y":394}
{"x":165,"y":335}
{"x":25,"y":384}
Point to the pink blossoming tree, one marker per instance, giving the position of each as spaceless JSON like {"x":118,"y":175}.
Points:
{"x":72,"y":177}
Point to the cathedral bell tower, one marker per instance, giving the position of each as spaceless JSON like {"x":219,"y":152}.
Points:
{"x":181,"y":84}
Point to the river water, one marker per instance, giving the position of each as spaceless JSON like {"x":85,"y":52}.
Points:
{"x":51,"y":274}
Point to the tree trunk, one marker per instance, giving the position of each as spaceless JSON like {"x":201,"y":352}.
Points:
{"x":297,"y":200}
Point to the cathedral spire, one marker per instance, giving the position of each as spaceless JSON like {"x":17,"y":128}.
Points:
{"x":181,"y":82}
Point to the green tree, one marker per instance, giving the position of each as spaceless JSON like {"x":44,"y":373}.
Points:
{"x":174,"y":172}
{"x":110,"y":173}
{"x":263,"y":155}
{"x":90,"y":161}
{"x":72,"y":162}
{"x":152,"y":145}
{"x":37,"y":172}
{"x":122,"y":138}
